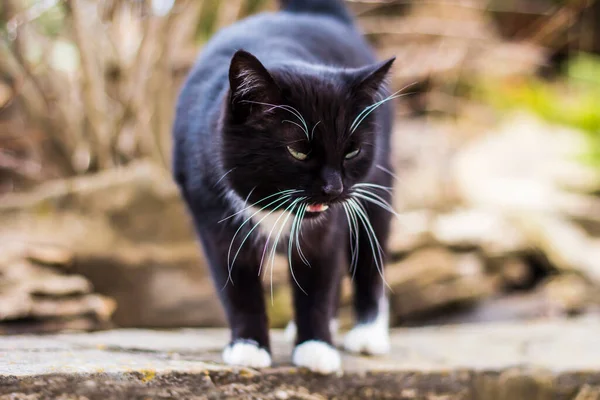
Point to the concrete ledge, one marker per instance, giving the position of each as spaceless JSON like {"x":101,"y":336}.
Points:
{"x":530,"y":361}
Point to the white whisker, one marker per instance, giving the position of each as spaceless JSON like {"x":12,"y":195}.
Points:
{"x":375,"y":199}
{"x":371,"y":236}
{"x":368,"y":110}
{"x":281,"y":199}
{"x":372,"y":185}
{"x":271,"y":232}
{"x":224,"y":175}
{"x":384,"y":169}
{"x":299,"y":231}
{"x":248,"y":197}
{"x":292,"y":122}
{"x":352,"y":231}
{"x":295,"y":226}
{"x":312,"y":133}
{"x":289,"y":109}
{"x":288,"y":191}
{"x":256,"y":225}
{"x":289,"y":210}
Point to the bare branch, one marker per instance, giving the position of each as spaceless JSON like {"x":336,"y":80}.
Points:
{"x":546,"y":32}
{"x":37,"y":97}
{"x":23,"y":167}
{"x":228,"y":12}
{"x":92,"y":80}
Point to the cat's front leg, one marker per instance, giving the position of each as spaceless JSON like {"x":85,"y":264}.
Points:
{"x":241,"y":293}
{"x":315,"y":290}
{"x":370,"y":335}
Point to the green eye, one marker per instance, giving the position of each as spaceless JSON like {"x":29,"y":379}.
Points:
{"x":297,"y":155}
{"x":352,"y":154}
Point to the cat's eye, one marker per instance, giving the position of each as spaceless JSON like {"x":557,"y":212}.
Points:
{"x":352,"y":154}
{"x":297,"y":154}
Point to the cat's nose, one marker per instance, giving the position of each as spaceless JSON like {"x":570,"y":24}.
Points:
{"x":333,"y":190}
{"x":332,"y":182}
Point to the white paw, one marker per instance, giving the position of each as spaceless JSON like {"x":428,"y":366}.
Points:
{"x":334,"y":326}
{"x":318,"y":357}
{"x":372,"y":338}
{"x":247,"y":354}
{"x":290,"y":330}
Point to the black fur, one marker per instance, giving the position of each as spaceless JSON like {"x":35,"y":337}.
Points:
{"x":228,"y":149}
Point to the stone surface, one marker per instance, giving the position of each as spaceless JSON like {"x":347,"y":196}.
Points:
{"x":553,"y":359}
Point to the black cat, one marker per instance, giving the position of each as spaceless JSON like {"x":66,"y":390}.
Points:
{"x":282,"y":138}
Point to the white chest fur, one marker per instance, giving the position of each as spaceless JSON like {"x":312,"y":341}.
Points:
{"x":272,"y":223}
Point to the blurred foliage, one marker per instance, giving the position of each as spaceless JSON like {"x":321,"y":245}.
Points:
{"x":210,"y":15}
{"x":52,"y":22}
{"x":572,"y":100}
{"x":208,"y":19}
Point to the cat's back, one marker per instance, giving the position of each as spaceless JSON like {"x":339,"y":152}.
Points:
{"x":277,"y":38}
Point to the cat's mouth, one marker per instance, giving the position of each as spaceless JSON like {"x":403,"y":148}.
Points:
{"x":316,"y":208}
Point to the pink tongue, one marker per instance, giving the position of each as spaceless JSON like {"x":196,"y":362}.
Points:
{"x":315,"y":208}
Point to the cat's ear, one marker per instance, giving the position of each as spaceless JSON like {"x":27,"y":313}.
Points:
{"x":369,"y":80}
{"x":250,"y":82}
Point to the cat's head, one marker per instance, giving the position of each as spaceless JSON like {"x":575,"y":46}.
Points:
{"x":298,"y":133}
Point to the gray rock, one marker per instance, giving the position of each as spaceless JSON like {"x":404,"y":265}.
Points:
{"x":470,"y":228}
{"x":433,"y":279}
{"x":38,"y":294}
{"x":127,"y":231}
{"x":514,"y":273}
{"x":552,"y":359}
{"x":569,"y":248}
{"x":528,"y":166}
{"x":411,"y":230}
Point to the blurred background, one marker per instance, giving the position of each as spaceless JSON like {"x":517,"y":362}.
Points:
{"x":496,"y":149}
